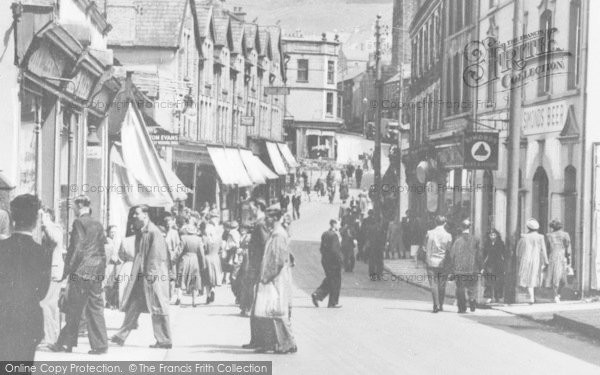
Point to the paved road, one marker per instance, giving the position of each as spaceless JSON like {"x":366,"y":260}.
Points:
{"x":383,"y":328}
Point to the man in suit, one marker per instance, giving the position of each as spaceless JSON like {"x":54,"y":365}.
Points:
{"x":85,"y":267}
{"x":24,"y":279}
{"x":148,"y":287}
{"x":332,"y":261}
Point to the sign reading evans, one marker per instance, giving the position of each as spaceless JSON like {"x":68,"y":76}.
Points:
{"x":162,"y":137}
{"x":481,"y":151}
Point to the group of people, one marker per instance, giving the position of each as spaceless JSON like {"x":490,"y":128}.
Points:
{"x":145,"y":272}
{"x":466,"y":259}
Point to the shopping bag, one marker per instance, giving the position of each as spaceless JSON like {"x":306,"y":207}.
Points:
{"x":267,"y":303}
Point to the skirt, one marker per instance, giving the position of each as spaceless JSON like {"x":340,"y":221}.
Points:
{"x":557,"y":270}
{"x":212,"y":273}
{"x":189,"y":273}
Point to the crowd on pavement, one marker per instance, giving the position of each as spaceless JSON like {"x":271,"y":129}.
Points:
{"x":148,"y":271}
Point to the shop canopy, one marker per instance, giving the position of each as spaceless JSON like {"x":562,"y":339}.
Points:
{"x":276,"y":160}
{"x":266,"y":171}
{"x":180,"y":191}
{"x":229,"y":166}
{"x":287,"y":155}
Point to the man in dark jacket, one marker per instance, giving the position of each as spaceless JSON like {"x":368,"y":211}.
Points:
{"x":148,"y":288}
{"x":85,"y":266}
{"x":24,"y":279}
{"x":466,"y":262}
{"x":359,"y":174}
{"x":332,"y":262}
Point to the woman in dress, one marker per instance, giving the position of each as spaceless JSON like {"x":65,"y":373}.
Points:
{"x":559,"y":243}
{"x":190,"y":263}
{"x":531,"y":253}
{"x":493,"y":266}
{"x":213,"y":243}
{"x":274,"y":294}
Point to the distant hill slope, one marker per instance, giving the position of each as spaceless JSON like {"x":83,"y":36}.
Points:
{"x":317,"y":16}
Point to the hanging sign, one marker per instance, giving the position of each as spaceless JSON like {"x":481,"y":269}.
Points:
{"x":481,"y":151}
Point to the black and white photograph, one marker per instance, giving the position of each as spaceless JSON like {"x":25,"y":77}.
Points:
{"x":299,"y":187}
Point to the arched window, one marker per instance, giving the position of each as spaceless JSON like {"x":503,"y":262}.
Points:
{"x":539,"y":196}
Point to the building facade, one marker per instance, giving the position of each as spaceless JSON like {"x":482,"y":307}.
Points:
{"x":313,"y":100}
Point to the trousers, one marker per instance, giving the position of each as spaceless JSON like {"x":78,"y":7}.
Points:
{"x":437,"y":281}
{"x":84,"y":297}
{"x":330,"y":286}
{"x":468,"y":284}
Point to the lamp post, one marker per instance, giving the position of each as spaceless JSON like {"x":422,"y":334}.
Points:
{"x":377,"y":150}
{"x":364,"y":124}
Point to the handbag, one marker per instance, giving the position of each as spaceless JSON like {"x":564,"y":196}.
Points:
{"x":267,"y":303}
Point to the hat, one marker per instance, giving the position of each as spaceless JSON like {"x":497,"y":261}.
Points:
{"x":466,"y":223}
{"x":532,"y":224}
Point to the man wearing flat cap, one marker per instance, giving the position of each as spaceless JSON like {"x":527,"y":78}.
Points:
{"x":24,"y":279}
{"x":332,"y":261}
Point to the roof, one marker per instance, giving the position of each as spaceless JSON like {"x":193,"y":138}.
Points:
{"x":265,"y":42}
{"x":158,"y":23}
{"x":237,"y":34}
{"x":221,"y":22}
{"x":353,"y":73}
{"x":203,"y":18}
{"x":251,"y":31}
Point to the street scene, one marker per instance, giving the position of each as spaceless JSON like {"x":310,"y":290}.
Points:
{"x":299,"y":187}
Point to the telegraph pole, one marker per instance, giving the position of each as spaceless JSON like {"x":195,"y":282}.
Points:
{"x":514,"y":149}
{"x":400,"y":137}
{"x":379,"y":97}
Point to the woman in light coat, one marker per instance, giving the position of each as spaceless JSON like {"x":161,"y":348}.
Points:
{"x":559,"y":242}
{"x":213,"y":245}
{"x":531,"y":254}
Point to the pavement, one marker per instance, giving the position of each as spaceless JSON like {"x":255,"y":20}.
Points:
{"x":384,"y":327}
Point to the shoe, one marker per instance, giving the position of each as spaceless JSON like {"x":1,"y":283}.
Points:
{"x":334,"y":306}
{"x":472,"y":306}
{"x":291,"y":350}
{"x":60,"y":348}
{"x":435,"y":309}
{"x":161,"y":346}
{"x":177,"y":302}
{"x":98,"y":351}
{"x":462,"y":311}
{"x":249,"y":346}
{"x":441,"y":307}
{"x":212,"y":296}
{"x":117,"y":340}
{"x":315,"y":301}
{"x":557,"y":299}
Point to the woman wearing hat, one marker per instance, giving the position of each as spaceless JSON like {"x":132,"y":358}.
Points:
{"x":213,"y":241}
{"x":190,"y":263}
{"x":560,"y":256}
{"x":531,"y":254}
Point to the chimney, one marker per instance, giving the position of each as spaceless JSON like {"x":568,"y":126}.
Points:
{"x":324,"y":37}
{"x":239,"y":13}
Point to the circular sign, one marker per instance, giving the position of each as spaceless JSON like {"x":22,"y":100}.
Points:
{"x":481,"y":151}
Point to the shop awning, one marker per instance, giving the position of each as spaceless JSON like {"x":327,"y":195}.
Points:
{"x":287,"y":155}
{"x":236,"y":165}
{"x":179,"y":190}
{"x":254,"y":170}
{"x":266,"y":171}
{"x":276,"y":160}
{"x":219,"y":159}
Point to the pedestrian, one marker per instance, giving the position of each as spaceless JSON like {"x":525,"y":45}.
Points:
{"x":306,"y":187}
{"x":437,"y":243}
{"x":85,"y":266}
{"x":231,"y":245}
{"x":466,"y":259}
{"x":532,"y":257}
{"x":213,"y":240}
{"x":332,"y":261}
{"x":394,"y":245}
{"x":284,"y":201}
{"x":148,"y":288}
{"x":273,"y":303}
{"x":111,"y":249}
{"x":24,"y":280}
{"x":296,"y":202}
{"x":494,"y":252}
{"x":173,"y":242}
{"x":4,"y":224}
{"x":374,"y":247}
{"x":350,"y":171}
{"x":190,"y":263}
{"x":343,"y":211}
{"x":52,"y":241}
{"x":126,"y":256}
{"x":256,"y":250}
{"x":239,"y":264}
{"x":359,"y":175}
{"x":404,"y":230}
{"x":559,"y":243}
{"x":344,"y":189}
{"x":348,"y":245}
